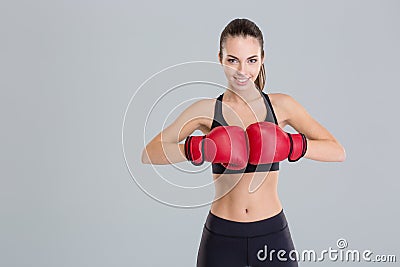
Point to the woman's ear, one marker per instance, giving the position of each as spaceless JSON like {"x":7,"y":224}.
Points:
{"x":219,"y":57}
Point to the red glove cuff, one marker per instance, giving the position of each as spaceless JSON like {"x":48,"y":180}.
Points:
{"x":194,"y":149}
{"x":298,"y":146}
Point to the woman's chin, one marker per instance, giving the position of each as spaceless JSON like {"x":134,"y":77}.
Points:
{"x":240,"y":87}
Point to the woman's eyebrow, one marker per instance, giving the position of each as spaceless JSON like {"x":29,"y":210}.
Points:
{"x":238,"y":58}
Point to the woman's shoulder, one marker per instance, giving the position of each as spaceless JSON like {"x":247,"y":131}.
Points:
{"x":202,"y":107}
{"x":280,"y":99}
{"x":204,"y":103}
{"x":284,"y":106}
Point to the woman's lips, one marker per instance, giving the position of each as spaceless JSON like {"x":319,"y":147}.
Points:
{"x":241,"y":81}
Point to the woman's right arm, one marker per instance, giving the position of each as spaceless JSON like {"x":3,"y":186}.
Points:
{"x":165,"y":148}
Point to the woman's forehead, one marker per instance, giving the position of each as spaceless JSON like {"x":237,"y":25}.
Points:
{"x":242,"y":46}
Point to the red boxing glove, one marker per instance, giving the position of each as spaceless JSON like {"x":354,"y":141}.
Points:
{"x":223,"y":144}
{"x":269,"y":143}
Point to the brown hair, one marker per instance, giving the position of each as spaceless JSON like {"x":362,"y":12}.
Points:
{"x":244,"y":27}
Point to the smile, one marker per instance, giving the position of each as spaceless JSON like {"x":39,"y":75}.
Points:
{"x":240,"y":80}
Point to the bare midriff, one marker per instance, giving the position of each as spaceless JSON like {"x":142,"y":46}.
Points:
{"x":246,"y":197}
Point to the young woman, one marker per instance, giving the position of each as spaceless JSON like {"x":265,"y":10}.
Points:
{"x":244,"y":140}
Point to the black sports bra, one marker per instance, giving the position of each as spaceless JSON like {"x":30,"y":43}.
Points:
{"x":219,"y":120}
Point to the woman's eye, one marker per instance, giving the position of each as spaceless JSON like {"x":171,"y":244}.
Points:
{"x":231,"y":60}
{"x":253,"y":60}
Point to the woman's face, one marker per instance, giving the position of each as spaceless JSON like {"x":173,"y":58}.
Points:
{"x":241,"y":59}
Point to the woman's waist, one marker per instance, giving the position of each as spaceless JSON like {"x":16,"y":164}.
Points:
{"x":246,"y":210}
{"x":218,"y":224}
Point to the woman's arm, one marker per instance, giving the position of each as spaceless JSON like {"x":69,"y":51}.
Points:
{"x":321,"y":144}
{"x":165,"y":148}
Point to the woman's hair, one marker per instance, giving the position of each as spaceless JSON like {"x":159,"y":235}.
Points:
{"x":244,"y":27}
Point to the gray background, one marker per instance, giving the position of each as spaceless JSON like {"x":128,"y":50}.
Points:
{"x":69,"y":69}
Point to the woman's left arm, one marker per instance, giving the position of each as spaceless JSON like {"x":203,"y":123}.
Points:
{"x":321,"y":144}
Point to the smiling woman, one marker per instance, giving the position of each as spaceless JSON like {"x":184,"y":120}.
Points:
{"x":245,"y":59}
{"x":244,"y":141}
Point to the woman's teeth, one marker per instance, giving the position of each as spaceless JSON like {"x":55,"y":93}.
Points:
{"x":242,"y":80}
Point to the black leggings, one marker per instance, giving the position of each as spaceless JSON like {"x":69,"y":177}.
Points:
{"x":239,"y":244}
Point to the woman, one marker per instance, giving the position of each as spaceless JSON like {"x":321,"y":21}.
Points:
{"x":244,"y":140}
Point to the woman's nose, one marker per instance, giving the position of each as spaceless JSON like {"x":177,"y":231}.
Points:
{"x":242,"y":69}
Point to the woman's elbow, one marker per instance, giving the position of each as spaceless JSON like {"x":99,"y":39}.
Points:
{"x":145,"y":157}
{"x":342,"y":154}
